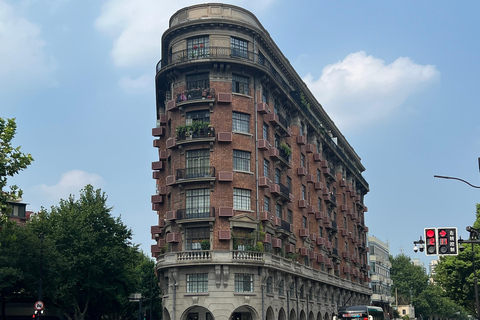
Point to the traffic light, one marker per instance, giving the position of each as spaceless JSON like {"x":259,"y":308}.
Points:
{"x":430,"y":241}
{"x":447,"y":241}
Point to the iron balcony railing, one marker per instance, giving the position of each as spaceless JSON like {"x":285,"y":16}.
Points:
{"x":284,"y":191}
{"x":195,"y":213}
{"x":196,"y":173}
{"x":195,"y":94}
{"x":222,"y":53}
{"x":192,"y":132}
{"x":284,"y":225}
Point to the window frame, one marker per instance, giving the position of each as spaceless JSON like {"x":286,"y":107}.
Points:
{"x":241,"y":160}
{"x":240,"y":122}
{"x":242,"y":199}
{"x":243,"y":282}
{"x":197,"y":282}
{"x":240,"y":84}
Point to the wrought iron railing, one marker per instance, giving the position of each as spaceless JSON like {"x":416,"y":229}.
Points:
{"x":195,"y":94}
{"x":284,"y":225}
{"x":195,"y":173}
{"x":195,"y":213}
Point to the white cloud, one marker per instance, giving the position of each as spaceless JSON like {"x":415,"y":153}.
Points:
{"x":22,"y":53}
{"x":70,"y":183}
{"x":363,"y":90}
{"x":136,"y":27}
{"x":142,"y":84}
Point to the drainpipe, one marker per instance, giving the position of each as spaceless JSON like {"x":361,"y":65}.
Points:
{"x":288,"y":303}
{"x":256,"y":133}
{"x":296,"y":295}
{"x":263,"y":301}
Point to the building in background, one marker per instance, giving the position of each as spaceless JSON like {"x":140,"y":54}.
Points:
{"x":380,"y":265}
{"x":260,"y":199}
{"x":431,"y":269}
{"x":18,"y":212}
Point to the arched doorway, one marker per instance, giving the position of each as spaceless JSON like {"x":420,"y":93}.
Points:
{"x":282,"y":315}
{"x":270,"y":315}
{"x":244,"y":313}
{"x":196,"y":313}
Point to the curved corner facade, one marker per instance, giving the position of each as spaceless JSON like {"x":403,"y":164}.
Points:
{"x":259,"y":196}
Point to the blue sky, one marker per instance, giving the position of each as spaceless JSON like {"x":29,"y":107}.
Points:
{"x":397,"y":77}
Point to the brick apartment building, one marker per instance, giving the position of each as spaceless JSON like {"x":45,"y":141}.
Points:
{"x":259,"y":196}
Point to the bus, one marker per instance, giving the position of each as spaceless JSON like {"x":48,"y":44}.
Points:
{"x":360,"y":313}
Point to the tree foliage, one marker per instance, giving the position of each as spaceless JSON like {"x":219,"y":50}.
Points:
{"x":412,"y":286}
{"x":92,"y":264}
{"x":18,"y":271}
{"x":12,"y":161}
{"x":455,"y":274}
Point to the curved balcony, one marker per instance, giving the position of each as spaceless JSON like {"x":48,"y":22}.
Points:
{"x":195,"y":213}
{"x":195,"y":174}
{"x":254,"y":259}
{"x":225,"y":53}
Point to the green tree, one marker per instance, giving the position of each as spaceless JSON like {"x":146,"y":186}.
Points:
{"x":12,"y":161}
{"x":94,"y":260}
{"x":408,"y":280}
{"x":455,"y":273}
{"x":412,"y":286}
{"x":18,"y":267}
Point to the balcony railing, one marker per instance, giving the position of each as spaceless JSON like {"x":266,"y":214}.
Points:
{"x":284,"y":225}
{"x":222,"y":53}
{"x":195,"y":213}
{"x":215,"y":257}
{"x":195,"y":173}
{"x":195,"y":132}
{"x":195,"y":94}
{"x":247,"y":255}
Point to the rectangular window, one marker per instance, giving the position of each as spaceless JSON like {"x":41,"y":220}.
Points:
{"x":302,"y":160}
{"x":304,"y":222}
{"x":197,"y":282}
{"x":278,"y":210}
{"x":239,"y":47}
{"x":289,"y":184}
{"x":241,"y":160}
{"x":198,"y":81}
{"x":265,"y":131}
{"x":320,"y":232}
{"x":240,"y":84}
{"x":277,"y":175}
{"x":319,"y":204}
{"x":240,"y":122}
{"x":197,"y":203}
{"x":265,"y":95}
{"x":319,"y":175}
{"x":198,"y":47}
{"x":243,"y":282}
{"x":197,"y":164}
{"x":241,"y":199}
{"x":202,"y":116}
{"x":266,"y":204}
{"x":304,"y":192}
{"x":195,"y":236}
{"x":289,"y":216}
{"x":266,"y":168}
{"x":269,"y":285}
{"x":277,"y":141}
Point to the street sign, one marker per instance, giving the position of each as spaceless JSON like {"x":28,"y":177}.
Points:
{"x":39,"y":305}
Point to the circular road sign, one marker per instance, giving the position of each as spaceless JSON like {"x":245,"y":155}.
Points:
{"x":39,"y":305}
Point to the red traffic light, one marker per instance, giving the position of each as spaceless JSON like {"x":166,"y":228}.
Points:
{"x":430,"y":233}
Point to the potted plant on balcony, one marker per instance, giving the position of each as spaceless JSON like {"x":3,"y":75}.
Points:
{"x":205,"y":245}
{"x":286,"y":149}
{"x":182,"y":132}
